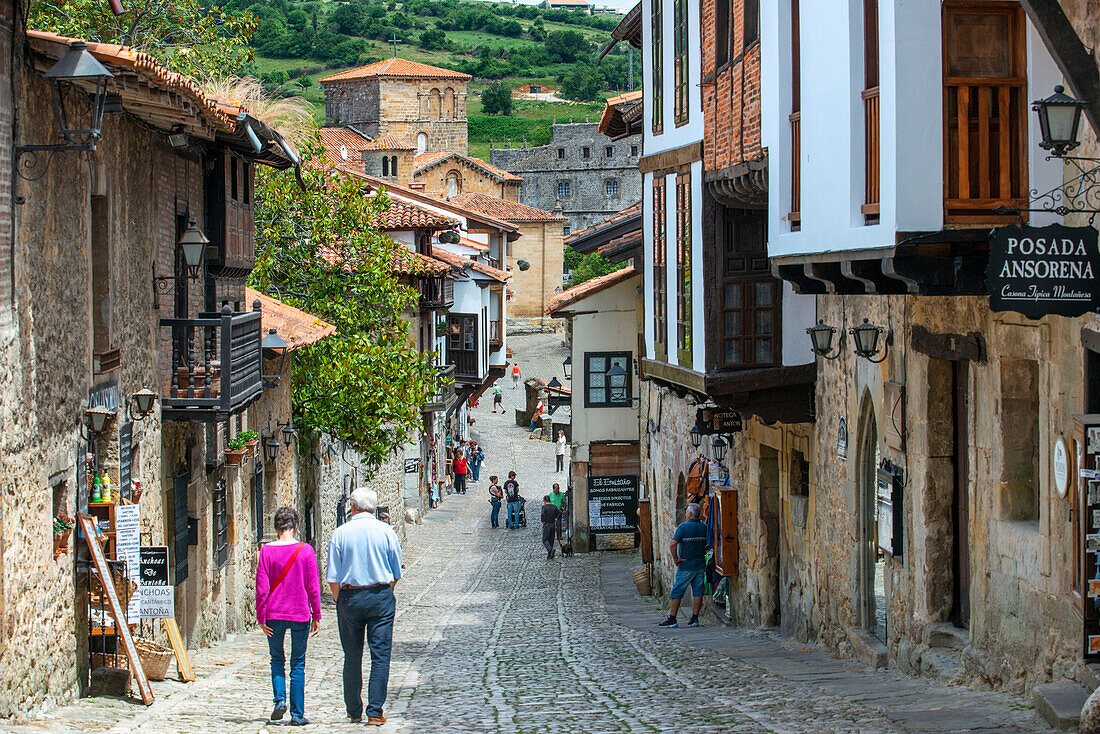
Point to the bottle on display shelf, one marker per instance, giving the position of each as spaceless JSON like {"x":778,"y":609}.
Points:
{"x":105,"y":491}
{"x":97,"y":489}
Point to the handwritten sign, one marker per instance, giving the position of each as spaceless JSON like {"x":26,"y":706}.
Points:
{"x":158,"y":598}
{"x":1038,"y":271}
{"x":122,"y":630}
{"x":127,"y":543}
{"x":125,"y":458}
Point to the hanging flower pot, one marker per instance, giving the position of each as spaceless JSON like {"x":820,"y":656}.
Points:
{"x":62,"y":531}
{"x":450,"y":237}
{"x":523,"y":265}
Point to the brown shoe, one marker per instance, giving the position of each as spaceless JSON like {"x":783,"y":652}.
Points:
{"x":376,"y":720}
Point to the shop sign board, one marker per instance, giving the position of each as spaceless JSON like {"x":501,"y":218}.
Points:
{"x":718,"y":420}
{"x":613,"y":504}
{"x":1061,"y":466}
{"x":156,"y":592}
{"x":1039,"y":271}
{"x":412,"y":466}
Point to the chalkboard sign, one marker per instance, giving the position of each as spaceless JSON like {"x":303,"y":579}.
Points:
{"x":613,"y":504}
{"x":156,"y":592}
{"x":125,"y":457}
{"x":1039,"y":271}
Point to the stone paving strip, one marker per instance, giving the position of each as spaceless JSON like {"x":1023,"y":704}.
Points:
{"x":492,"y":637}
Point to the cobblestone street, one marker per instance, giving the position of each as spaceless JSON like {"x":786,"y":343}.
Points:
{"x":492,"y":637}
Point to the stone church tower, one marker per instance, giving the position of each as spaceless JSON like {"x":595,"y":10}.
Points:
{"x":421,"y":104}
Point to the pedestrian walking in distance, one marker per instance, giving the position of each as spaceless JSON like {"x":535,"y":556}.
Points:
{"x":562,"y":446}
{"x":498,"y":397}
{"x":460,"y":468}
{"x":515,"y":375}
{"x":476,"y":457}
{"x":551,"y":514}
{"x":689,"y":551}
{"x":496,"y":494}
{"x":515,"y":502}
{"x":364,"y":566}
{"x":288,"y":599}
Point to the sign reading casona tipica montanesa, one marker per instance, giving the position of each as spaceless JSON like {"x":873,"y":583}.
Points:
{"x":1042,"y":271}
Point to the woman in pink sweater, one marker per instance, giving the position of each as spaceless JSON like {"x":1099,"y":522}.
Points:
{"x":288,"y":597}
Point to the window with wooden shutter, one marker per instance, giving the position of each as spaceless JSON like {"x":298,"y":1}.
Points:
{"x":180,"y":530}
{"x":660,"y":282}
{"x":658,"y":81}
{"x":680,"y":60}
{"x":751,"y":298}
{"x":795,"y":214}
{"x":870,"y":207}
{"x":683,"y":270}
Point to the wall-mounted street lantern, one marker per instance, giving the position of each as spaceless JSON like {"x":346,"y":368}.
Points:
{"x":551,"y":388}
{"x":271,"y":447}
{"x":567,"y":367}
{"x":141,"y":404}
{"x":821,"y":340}
{"x":1059,"y":121}
{"x":696,"y":436}
{"x":95,"y":422}
{"x":193,"y":244}
{"x":617,"y":383}
{"x":79,"y":134}
{"x":274,"y":347}
{"x":288,"y":433}
{"x":866,"y":338}
{"x":718,"y":445}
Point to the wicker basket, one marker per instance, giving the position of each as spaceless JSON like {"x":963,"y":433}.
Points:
{"x":641,"y":580}
{"x":154,"y":658}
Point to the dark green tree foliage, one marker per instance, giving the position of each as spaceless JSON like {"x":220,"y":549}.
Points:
{"x":433,"y":39}
{"x":582,"y":83}
{"x":348,"y":19}
{"x":587,"y":267}
{"x":567,"y":46}
{"x":317,"y":250}
{"x":497,"y":99}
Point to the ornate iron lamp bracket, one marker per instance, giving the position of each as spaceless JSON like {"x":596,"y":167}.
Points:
{"x":1079,"y":195}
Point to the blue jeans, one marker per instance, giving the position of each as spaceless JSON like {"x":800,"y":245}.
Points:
{"x":685,"y":577}
{"x":369,"y":611}
{"x":513,"y":514}
{"x":476,"y":469}
{"x":494,"y":519}
{"x":299,"y":636}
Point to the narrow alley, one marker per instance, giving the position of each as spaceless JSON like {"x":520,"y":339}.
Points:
{"x":492,"y":637}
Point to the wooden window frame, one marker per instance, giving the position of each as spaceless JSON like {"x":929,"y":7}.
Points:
{"x":871,"y":116}
{"x":750,"y":23}
{"x":684,"y":331}
{"x":660,"y":270}
{"x":180,"y":535}
{"x":723,"y":21}
{"x":681,"y":112}
{"x":256,"y":486}
{"x":748,"y":310}
{"x":794,"y":217}
{"x":627,"y":359}
{"x":657,"y":56}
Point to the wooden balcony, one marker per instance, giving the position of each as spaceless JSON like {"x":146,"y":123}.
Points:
{"x":985,"y":141}
{"x":215,"y":367}
{"x":445,"y":393}
{"x":795,"y":215}
{"x":437,"y":293}
{"x":496,"y":333}
{"x":465,"y":364}
{"x":872,"y":156}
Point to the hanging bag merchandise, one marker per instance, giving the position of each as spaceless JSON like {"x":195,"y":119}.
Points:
{"x":697,"y":480}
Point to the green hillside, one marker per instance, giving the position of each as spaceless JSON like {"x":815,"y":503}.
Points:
{"x":298,"y":42}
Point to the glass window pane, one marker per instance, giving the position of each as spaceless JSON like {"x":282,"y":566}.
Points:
{"x":597,"y":379}
{"x":733,"y":295}
{"x":763,"y":322}
{"x":617,"y":381}
{"x":597,"y":364}
{"x":733,"y":323}
{"x":763,"y":350}
{"x":733,"y":351}
{"x":764,"y":294}
{"x":597,"y":395}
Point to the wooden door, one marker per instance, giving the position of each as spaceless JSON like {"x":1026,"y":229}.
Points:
{"x":961,"y":504}
{"x":727,"y":548}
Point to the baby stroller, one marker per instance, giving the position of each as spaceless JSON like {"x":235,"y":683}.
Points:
{"x":522,"y":512}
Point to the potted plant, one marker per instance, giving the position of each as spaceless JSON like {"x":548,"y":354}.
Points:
{"x":62,"y":529}
{"x":235,"y":451}
{"x":251,"y":438}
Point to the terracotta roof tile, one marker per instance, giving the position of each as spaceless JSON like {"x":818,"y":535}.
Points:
{"x":461,"y":261}
{"x":424,"y":161}
{"x":401,"y":68}
{"x":473,"y":244}
{"x":296,"y":327}
{"x":588,"y":288}
{"x":406,"y":215}
{"x":333,"y":139}
{"x":407,"y":262}
{"x":388,"y":142}
{"x":509,"y":211}
{"x":632,"y":210}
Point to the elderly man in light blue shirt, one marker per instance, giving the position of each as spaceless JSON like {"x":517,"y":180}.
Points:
{"x":364,"y":564}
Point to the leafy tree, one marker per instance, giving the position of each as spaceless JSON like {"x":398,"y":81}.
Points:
{"x":348,"y":19}
{"x":433,"y":39}
{"x":496,"y":99}
{"x":537,"y":31}
{"x":184,"y":35}
{"x":583,"y":83}
{"x":400,"y":20}
{"x":567,"y":46}
{"x":317,"y":250}
{"x":587,"y":267}
{"x":297,"y":20}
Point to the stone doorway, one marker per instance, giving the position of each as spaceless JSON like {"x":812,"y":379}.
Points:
{"x":768,"y":512}
{"x":871,"y":562}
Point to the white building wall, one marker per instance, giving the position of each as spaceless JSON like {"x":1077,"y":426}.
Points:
{"x":672,"y":136}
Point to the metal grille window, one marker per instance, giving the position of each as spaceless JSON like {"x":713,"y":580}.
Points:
{"x":657,"y":98}
{"x":680,"y":60}
{"x":221,"y":526}
{"x":180,"y":532}
{"x":660,"y":259}
{"x":600,"y":390}
{"x":561,"y":153}
{"x":258,"y":503}
{"x":586,"y":152}
{"x":563,"y":189}
{"x":611,"y":188}
{"x":683,"y":269}
{"x":609,"y":151}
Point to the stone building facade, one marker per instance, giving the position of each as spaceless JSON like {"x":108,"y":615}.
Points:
{"x":581,"y":171}
{"x":421,"y":104}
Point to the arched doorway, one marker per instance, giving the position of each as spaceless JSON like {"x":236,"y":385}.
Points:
{"x":871,"y":561}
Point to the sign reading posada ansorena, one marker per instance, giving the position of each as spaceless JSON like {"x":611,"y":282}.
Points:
{"x":1043,"y":271}
{"x":613,"y":504}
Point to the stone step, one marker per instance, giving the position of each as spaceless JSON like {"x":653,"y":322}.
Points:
{"x":946,"y":635}
{"x":1060,"y":703}
{"x":941,"y":665}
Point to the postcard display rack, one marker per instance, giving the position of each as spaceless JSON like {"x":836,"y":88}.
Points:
{"x":1086,"y":452}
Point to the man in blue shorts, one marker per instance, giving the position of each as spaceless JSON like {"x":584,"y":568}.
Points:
{"x":689,"y":551}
